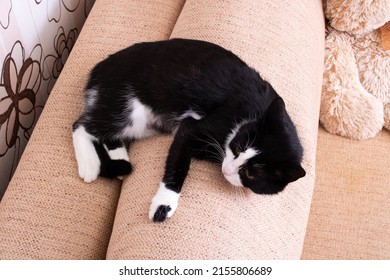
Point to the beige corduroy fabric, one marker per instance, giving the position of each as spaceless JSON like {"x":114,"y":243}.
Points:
{"x":284,"y":41}
{"x":48,"y":212}
{"x":350,"y":216}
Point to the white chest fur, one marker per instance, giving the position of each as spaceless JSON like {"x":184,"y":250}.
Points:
{"x":141,"y":120}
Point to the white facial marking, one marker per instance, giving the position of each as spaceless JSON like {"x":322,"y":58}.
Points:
{"x":191,"y":114}
{"x":87,"y":159}
{"x":234,"y":132}
{"x":164,"y":196}
{"x":141,"y":117}
{"x":231,"y":165}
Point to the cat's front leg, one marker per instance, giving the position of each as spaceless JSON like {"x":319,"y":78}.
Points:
{"x":165,"y":202}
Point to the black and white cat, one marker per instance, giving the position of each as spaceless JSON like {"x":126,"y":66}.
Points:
{"x":217,"y":107}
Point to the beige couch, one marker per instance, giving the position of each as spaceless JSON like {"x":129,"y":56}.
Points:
{"x":48,"y":212}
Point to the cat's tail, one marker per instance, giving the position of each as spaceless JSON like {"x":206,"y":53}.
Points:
{"x":94,"y":158}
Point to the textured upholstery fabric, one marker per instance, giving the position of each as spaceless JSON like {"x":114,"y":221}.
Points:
{"x":213,"y":220}
{"x":350,"y":215}
{"x":48,"y":212}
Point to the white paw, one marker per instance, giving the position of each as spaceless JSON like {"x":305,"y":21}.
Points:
{"x":164,"y":204}
{"x":89,"y":168}
{"x":87,"y":159}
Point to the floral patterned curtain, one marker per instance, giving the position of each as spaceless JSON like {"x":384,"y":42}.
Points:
{"x":36,"y":37}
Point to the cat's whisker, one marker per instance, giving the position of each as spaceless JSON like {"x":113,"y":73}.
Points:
{"x":239,"y":193}
{"x":216,"y":144}
{"x":253,"y":141}
{"x":247,"y":140}
{"x":216,"y":158}
{"x":238,"y":146}
{"x":219,"y":151}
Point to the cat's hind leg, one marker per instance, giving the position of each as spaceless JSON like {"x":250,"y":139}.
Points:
{"x":114,"y":159}
{"x":87,"y":159}
{"x":109,"y":159}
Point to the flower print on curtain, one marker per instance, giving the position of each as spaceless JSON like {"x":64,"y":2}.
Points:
{"x":36,"y":37}
{"x":5,"y":11}
{"x":54,"y":7}
{"x":19,"y":83}
{"x":53,"y":63}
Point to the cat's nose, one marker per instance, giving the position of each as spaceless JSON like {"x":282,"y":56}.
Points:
{"x":224,"y":172}
{"x":227,"y":171}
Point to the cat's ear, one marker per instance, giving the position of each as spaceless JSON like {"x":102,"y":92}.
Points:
{"x":277,"y":105}
{"x":289,"y":173}
{"x":276,"y":110}
{"x":275,"y":115}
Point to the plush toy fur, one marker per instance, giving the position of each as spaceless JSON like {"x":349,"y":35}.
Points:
{"x":356,"y":86}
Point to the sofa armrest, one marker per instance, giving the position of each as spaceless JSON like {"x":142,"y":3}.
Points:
{"x":48,"y":212}
{"x":284,"y":41}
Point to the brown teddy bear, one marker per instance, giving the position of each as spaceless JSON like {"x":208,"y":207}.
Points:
{"x":355,"y":99}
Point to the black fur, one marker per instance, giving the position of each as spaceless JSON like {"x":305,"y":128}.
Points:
{"x":161,"y":213}
{"x":174,"y":76}
{"x":112,"y":168}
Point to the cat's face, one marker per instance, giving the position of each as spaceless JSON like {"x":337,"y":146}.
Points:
{"x":264,"y":155}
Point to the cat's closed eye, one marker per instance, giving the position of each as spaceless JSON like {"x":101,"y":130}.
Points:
{"x":248,"y":174}
{"x":254,"y":172}
{"x":258,"y":165}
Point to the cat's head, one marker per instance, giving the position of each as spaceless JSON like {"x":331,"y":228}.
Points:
{"x":264,"y":155}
